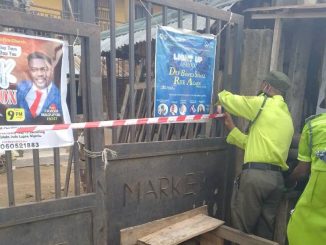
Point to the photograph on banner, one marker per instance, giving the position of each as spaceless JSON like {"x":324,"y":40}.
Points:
{"x":33,"y":89}
{"x":184,"y":72}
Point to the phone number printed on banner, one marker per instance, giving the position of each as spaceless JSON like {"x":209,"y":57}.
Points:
{"x":10,"y":146}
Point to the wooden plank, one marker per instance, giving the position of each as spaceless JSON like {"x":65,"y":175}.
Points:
{"x":301,"y":15}
{"x":281,"y":221}
{"x":276,"y":44}
{"x":123,"y":131}
{"x":129,"y":236}
{"x":299,"y":53}
{"x":62,"y":26}
{"x":140,"y":112}
{"x":182,"y":231}
{"x":301,"y":7}
{"x":124,"y":105}
{"x":234,"y":235}
{"x":283,"y":213}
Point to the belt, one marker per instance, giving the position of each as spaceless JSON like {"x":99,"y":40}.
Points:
{"x":261,"y":166}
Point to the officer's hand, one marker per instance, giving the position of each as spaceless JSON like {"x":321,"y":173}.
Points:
{"x":228,"y":121}
{"x":289,"y":186}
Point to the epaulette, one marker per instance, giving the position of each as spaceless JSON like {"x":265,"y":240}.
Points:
{"x":311,"y":118}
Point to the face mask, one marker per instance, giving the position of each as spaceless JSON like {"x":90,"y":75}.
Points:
{"x":263,"y":91}
{"x":266,"y":89}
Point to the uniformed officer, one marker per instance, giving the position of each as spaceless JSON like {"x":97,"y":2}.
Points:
{"x":258,"y":189}
{"x":308,"y":221}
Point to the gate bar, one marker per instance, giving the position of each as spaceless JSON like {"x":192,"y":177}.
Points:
{"x":236,"y":66}
{"x":37,"y":175}
{"x":194,"y":22}
{"x":180,"y":18}
{"x":163,"y":128}
{"x":73,"y":154}
{"x":190,"y":127}
{"x":148,"y":68}
{"x":113,"y":78}
{"x":216,"y":71}
{"x":226,"y":58}
{"x":10,"y":179}
{"x":132,"y":66}
{"x":57,"y":179}
{"x":164,"y":15}
{"x":83,"y":79}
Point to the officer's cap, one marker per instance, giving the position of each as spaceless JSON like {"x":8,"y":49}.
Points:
{"x":278,"y":80}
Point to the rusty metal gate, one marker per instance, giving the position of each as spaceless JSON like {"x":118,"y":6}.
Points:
{"x":156,"y":170}
{"x":77,"y":218}
{"x":161,"y":170}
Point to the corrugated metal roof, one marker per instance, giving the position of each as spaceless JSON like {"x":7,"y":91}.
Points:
{"x":122,"y":32}
{"x":140,"y":35}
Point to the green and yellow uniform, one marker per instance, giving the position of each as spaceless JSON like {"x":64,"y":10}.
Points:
{"x":270,"y":136}
{"x":308,"y":222}
{"x":257,"y":195}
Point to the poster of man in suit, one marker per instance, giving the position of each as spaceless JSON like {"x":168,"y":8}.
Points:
{"x":33,"y":89}
{"x":40,"y":97}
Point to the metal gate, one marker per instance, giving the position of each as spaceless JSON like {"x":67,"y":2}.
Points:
{"x":136,"y":98}
{"x":74,"y":219}
{"x":161,"y":170}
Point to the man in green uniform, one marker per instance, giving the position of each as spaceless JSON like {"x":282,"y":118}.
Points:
{"x":308,"y":221}
{"x":257,"y":191}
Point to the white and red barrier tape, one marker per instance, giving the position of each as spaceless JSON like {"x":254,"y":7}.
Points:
{"x":113,"y":123}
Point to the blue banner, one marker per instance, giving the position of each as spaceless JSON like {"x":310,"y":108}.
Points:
{"x":184,"y":72}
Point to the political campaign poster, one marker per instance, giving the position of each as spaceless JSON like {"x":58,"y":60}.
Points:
{"x":33,"y":89}
{"x":184,"y":72}
{"x":321,"y":104}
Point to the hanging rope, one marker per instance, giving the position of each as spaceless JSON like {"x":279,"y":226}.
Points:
{"x":70,"y":10}
{"x":95,"y":154}
{"x":226,"y":25}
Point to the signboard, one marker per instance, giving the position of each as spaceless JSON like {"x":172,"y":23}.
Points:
{"x":184,"y":72}
{"x":33,"y":90}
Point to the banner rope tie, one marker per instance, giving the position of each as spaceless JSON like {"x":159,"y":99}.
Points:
{"x":103,"y":154}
